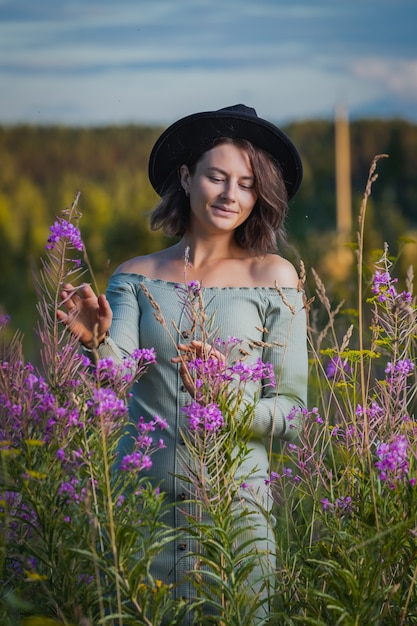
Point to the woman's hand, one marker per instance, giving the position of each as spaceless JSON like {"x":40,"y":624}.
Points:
{"x":190,"y":351}
{"x":87,"y":316}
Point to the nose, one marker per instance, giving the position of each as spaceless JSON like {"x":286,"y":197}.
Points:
{"x":229,"y":191}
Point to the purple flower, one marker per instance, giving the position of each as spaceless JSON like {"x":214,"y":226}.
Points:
{"x":406,"y":296}
{"x":326,"y":504}
{"x":135,"y":462}
{"x":254,"y":371}
{"x":383,"y":285}
{"x":342,"y":506}
{"x":402,"y":368}
{"x":60,"y":454}
{"x":231,"y":341}
{"x":392,"y":463}
{"x":208,"y":417}
{"x":273,"y":477}
{"x":70,"y":490}
{"x":336,"y":366}
{"x":106,"y":402}
{"x":161,"y":423}
{"x":194,"y":287}
{"x":144,"y":354}
{"x":62,"y":229}
{"x":293,"y":414}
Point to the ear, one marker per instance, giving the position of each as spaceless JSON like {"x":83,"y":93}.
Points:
{"x":185,"y":178}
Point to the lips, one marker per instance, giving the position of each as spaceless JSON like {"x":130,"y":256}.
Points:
{"x":224,"y":209}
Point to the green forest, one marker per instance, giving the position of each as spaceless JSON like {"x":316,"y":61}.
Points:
{"x":43,"y":167}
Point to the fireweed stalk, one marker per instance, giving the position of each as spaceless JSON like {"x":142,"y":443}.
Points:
{"x":347,"y":491}
{"x":216,"y":438}
{"x":77,"y":537}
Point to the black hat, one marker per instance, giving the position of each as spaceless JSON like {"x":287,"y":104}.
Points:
{"x":238,"y":121}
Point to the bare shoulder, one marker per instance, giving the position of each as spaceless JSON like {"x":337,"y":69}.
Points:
{"x":151,"y":265}
{"x":278,"y":271}
{"x":138,"y":265}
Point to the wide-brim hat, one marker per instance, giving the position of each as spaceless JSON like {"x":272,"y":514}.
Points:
{"x":238,"y":121}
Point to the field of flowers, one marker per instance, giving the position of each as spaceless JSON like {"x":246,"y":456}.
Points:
{"x":77,"y":538}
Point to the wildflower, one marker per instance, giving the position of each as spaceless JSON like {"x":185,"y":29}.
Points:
{"x":106,"y":369}
{"x":231,"y":341}
{"x":85,"y":579}
{"x":383,"y":285}
{"x":160,"y":422}
{"x":336,"y":366}
{"x":208,"y":417}
{"x":293,"y":414}
{"x":402,"y":368}
{"x":144,"y":354}
{"x":194,"y":287}
{"x":106,"y":402}
{"x":342,"y":506}
{"x":273,"y":477}
{"x":392,"y":463}
{"x":135,"y":462}
{"x":406,"y":296}
{"x":69,"y":490}
{"x":254,"y":371}
{"x":146,"y":427}
{"x":312,"y":414}
{"x":326,"y":504}
{"x":62,"y":229}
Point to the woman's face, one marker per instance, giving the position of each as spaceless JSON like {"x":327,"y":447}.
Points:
{"x":221,"y":189}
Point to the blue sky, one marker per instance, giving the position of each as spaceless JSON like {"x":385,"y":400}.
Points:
{"x":93,"y":62}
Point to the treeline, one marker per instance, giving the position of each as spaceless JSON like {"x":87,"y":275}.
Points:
{"x":42,"y":168}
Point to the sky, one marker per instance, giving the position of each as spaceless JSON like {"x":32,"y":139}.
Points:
{"x":100,"y":62}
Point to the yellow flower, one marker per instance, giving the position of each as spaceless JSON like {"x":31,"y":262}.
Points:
{"x":35,"y":576}
{"x":35,"y":442}
{"x":39,"y":475}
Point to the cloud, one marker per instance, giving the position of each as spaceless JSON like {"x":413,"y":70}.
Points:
{"x":279,"y":92}
{"x":96,"y":61}
{"x":398,"y":76}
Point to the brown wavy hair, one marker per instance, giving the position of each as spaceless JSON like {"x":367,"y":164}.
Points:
{"x":263,"y":229}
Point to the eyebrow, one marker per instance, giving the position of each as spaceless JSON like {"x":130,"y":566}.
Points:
{"x":218,"y":169}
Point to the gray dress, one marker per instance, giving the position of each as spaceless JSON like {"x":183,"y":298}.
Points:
{"x":244,"y":313}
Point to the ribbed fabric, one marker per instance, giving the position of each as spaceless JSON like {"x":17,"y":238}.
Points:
{"x":255,"y":315}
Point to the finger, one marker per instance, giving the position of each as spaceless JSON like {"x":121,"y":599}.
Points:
{"x":85,"y":291}
{"x":71,"y":304}
{"x":61,"y":316}
{"x":187,"y":379}
{"x":104,"y":308}
{"x":68,"y":319}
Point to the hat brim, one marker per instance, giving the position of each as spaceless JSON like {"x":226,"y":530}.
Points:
{"x":180,"y":138}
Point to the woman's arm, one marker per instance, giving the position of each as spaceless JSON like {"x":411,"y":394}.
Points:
{"x":278,"y":411}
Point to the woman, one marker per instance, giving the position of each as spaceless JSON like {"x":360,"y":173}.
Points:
{"x":224,"y":178}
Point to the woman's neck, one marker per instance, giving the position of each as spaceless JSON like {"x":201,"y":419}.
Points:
{"x":199,"y":252}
